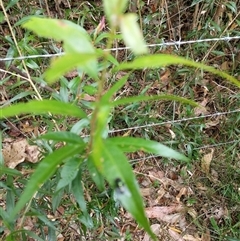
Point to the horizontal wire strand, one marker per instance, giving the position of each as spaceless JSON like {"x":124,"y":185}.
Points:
{"x":194,"y":149}
{"x":175,"y":121}
{"x":172,"y":43}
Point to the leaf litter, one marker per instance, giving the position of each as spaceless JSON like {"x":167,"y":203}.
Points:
{"x":17,"y":151}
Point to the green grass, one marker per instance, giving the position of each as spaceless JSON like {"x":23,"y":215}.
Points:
{"x":214,"y":197}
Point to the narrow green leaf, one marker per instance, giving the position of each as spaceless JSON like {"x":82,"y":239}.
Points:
{"x":76,"y":38}
{"x":135,"y":99}
{"x":11,"y":3}
{"x":69,"y":172}
{"x":79,"y":126}
{"x":78,"y":193}
{"x":113,"y":9}
{"x":6,"y":219}
{"x":18,"y":97}
{"x":118,"y":85}
{"x":13,"y":236}
{"x":132,"y":144}
{"x":117,"y":168}
{"x":9,"y":171}
{"x":44,"y":106}
{"x":231,"y":238}
{"x":68,"y":62}
{"x":66,"y":136}
{"x":159,"y":60}
{"x":43,"y":218}
{"x":57,"y":199}
{"x":132,"y":34}
{"x":95,"y":174}
{"x":44,"y":171}
{"x":76,"y":41}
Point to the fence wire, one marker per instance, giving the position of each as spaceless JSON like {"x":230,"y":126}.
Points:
{"x":163,"y":44}
{"x":175,"y":121}
{"x":194,"y":149}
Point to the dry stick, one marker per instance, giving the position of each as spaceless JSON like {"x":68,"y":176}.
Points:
{"x":47,"y":8}
{"x":169,"y":23}
{"x":195,"y":15}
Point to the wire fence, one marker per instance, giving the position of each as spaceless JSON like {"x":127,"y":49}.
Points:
{"x":171,"y":122}
{"x":163,"y":44}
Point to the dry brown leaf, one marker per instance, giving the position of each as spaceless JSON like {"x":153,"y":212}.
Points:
{"x":214,"y":176}
{"x":16,"y":152}
{"x":211,"y":123}
{"x":192,"y":213}
{"x":220,"y":9}
{"x":60,"y":237}
{"x":206,"y":236}
{"x":120,"y":74}
{"x":166,"y":76}
{"x":175,"y":235}
{"x":161,"y":192}
{"x":155,"y":175}
{"x":88,"y":97}
{"x":165,"y":213}
{"x":202,"y":110}
{"x":155,"y":228}
{"x":225,"y":66}
{"x":27,"y":128}
{"x":153,"y":211}
{"x":173,"y":135}
{"x":172,"y":218}
{"x":206,"y":161}
{"x":189,"y":237}
{"x":71,"y":74}
{"x":146,"y":192}
{"x":182,"y":192}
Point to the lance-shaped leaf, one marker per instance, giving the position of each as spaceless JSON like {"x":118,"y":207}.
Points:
{"x":119,"y":174}
{"x":75,"y":38}
{"x":132,"y":144}
{"x":134,"y":99}
{"x":132,"y":34}
{"x":113,"y":9}
{"x":67,"y":62}
{"x":159,"y":60}
{"x":44,"y":171}
{"x":75,"y":41}
{"x":43,"y":106}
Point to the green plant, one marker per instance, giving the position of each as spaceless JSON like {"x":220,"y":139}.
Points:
{"x":105,"y":156}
